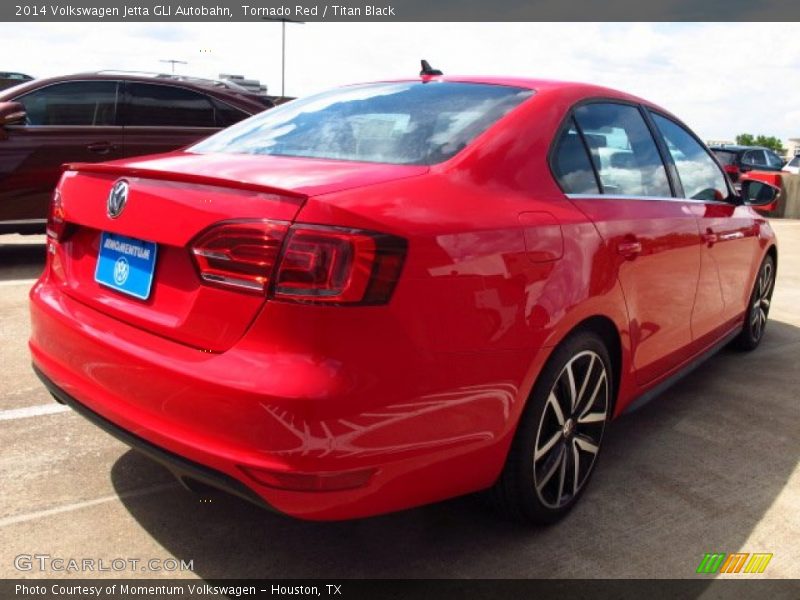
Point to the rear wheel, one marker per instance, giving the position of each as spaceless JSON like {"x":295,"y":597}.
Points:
{"x":558,"y":439}
{"x":755,"y":321}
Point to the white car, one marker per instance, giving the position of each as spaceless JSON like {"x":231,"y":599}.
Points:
{"x":793,"y":166}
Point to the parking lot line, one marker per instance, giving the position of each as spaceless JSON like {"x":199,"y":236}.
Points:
{"x":39,"y":514}
{"x":12,"y":282}
{"x":32,"y":411}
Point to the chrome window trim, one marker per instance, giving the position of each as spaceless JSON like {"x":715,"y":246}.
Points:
{"x":170,"y":127}
{"x":49,"y":127}
{"x":54,"y":83}
{"x":645,"y":198}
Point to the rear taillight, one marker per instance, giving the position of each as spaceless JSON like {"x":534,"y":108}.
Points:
{"x":342,"y":266}
{"x":317,"y":264}
{"x":239,"y":255}
{"x":56,"y":225}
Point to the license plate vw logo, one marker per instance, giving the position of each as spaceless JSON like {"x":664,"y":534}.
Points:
{"x":121,"y":270}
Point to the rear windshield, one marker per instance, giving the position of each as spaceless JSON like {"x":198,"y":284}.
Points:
{"x":795,"y":162}
{"x":725,"y":157}
{"x":398,"y":123}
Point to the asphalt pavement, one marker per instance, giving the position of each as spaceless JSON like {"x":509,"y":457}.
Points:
{"x":709,"y":466}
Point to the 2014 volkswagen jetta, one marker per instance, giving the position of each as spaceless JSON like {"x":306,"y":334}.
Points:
{"x":389,"y":294}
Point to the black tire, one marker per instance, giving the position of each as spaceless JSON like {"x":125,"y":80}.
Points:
{"x":538,"y":482}
{"x":755,"y":321}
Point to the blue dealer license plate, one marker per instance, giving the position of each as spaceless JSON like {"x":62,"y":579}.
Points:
{"x":126,"y":265}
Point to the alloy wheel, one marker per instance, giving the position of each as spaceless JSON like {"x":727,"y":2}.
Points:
{"x":571,"y":429}
{"x":761,"y":301}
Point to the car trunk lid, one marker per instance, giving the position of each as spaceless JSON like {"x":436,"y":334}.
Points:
{"x":170,"y":202}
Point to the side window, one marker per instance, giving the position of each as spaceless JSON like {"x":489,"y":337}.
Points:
{"x":773,"y":160}
{"x":72,"y":103}
{"x":166,"y":105}
{"x":571,"y":164}
{"x":700,"y":176}
{"x":226,"y":115}
{"x":623,"y":150}
{"x":754,"y":158}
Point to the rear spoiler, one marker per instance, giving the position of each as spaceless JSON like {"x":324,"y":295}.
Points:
{"x":192,"y":178}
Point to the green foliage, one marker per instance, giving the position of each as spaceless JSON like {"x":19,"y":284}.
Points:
{"x":771,"y":142}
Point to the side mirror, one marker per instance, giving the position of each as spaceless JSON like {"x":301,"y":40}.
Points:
{"x":11,"y":113}
{"x":759,"y":194}
{"x":745,"y":168}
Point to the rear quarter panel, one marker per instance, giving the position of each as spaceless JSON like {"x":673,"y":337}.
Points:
{"x":477,"y":309}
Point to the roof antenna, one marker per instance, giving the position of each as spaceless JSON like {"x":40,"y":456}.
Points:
{"x":427,"y":70}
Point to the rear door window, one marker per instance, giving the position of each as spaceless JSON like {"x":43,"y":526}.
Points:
{"x":623,"y":150}
{"x":725,"y":157}
{"x":700,"y":176}
{"x":86,"y":103}
{"x":151,"y":105}
{"x":754,"y":158}
{"x":773,"y":160}
{"x":226,"y":115}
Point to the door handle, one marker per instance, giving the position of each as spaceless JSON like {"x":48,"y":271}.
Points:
{"x":709,"y":237}
{"x":101,"y":147}
{"x":630,"y":249}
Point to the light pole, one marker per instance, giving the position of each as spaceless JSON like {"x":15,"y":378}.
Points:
{"x":174,"y":62}
{"x":283,"y":21}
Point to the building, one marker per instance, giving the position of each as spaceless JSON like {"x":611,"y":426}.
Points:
{"x":792,"y":146}
{"x":251,"y":85}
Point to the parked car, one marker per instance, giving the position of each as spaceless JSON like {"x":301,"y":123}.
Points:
{"x":8,"y":79}
{"x":93,"y":117}
{"x":389,"y":294}
{"x":793,"y":166}
{"x":737,"y":160}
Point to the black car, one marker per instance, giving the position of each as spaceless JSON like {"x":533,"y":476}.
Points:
{"x":8,"y":79}
{"x":740,"y":159}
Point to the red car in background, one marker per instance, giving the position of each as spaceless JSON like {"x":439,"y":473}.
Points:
{"x":394,"y":293}
{"x":100,"y":116}
{"x":740,"y":160}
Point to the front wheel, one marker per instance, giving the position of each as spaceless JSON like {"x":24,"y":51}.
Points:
{"x":558,"y":439}
{"x":755,"y":321}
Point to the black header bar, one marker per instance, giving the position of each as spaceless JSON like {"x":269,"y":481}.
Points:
{"x":398,"y":10}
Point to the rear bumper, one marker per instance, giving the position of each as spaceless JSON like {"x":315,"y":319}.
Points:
{"x":266,"y":405}
{"x":178,"y":465}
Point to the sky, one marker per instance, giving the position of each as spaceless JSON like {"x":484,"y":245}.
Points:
{"x":720,"y":78}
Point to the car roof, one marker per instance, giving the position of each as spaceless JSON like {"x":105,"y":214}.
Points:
{"x":737,"y":148}
{"x":577,"y":89}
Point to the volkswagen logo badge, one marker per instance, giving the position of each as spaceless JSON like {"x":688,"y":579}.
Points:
{"x":117,"y":198}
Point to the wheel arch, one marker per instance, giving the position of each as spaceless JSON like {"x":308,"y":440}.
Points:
{"x":773,"y":252}
{"x":607,"y":330}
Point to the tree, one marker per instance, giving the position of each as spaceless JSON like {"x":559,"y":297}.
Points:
{"x":771,"y":142}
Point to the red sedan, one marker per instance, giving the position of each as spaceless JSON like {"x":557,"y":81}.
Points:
{"x":390,"y":294}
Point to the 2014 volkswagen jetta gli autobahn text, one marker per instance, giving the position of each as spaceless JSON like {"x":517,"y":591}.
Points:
{"x":390,"y":294}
